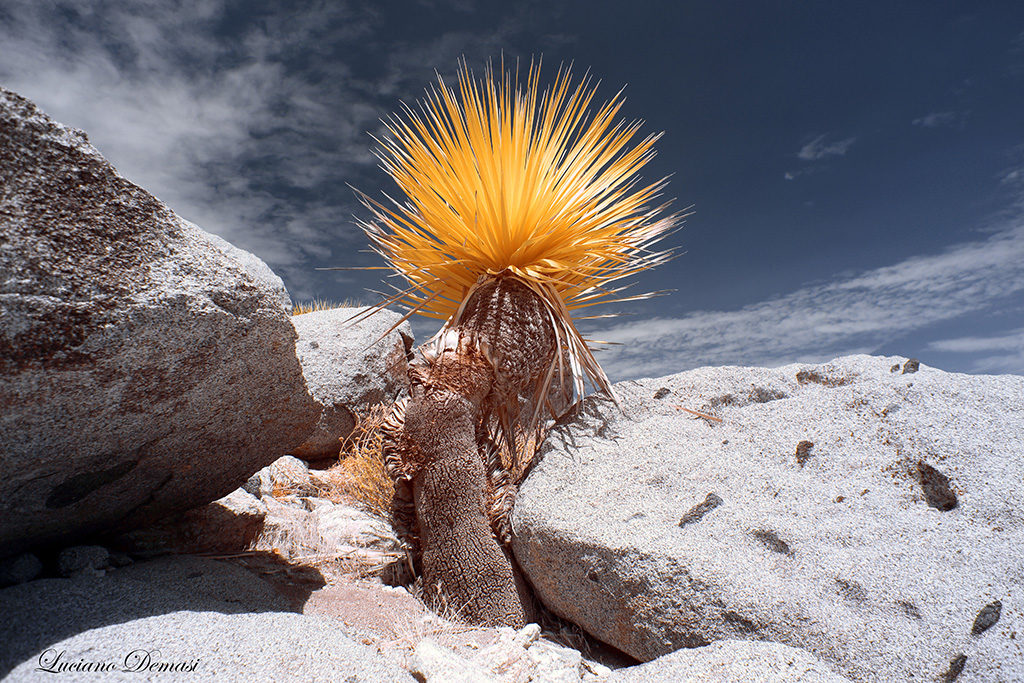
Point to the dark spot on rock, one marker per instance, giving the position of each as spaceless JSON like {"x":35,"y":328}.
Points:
{"x":662,"y":393}
{"x":756,"y":395}
{"x":909,"y":608}
{"x":803,"y":452}
{"x":895,"y":368}
{"x":725,"y":441}
{"x":956,"y":667}
{"x":840,"y":499}
{"x":723,"y":400}
{"x":81,"y":485}
{"x":864,"y":492}
{"x":987,"y":618}
{"x":592,"y":575}
{"x":772,"y":541}
{"x":689,"y":641}
{"x":313,"y":344}
{"x":806,"y":376}
{"x":194,"y":575}
{"x":852,"y":590}
{"x":911,"y":365}
{"x":935,"y":485}
{"x":739,"y":622}
{"x":697,"y":512}
{"x":762,"y":395}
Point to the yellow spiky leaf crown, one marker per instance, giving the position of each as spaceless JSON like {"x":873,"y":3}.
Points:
{"x":502,"y":180}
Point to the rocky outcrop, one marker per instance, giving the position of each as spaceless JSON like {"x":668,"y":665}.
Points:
{"x":349,"y":365}
{"x":282,"y":511}
{"x":175,"y":618}
{"x":870,"y":516}
{"x":143,"y":370}
{"x":505,"y":656}
{"x":226,"y":525}
{"x":19,"y":569}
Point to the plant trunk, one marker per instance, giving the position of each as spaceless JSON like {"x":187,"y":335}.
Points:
{"x":505,"y":345}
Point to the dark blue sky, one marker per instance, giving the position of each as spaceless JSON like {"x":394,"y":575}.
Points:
{"x":856,"y":169}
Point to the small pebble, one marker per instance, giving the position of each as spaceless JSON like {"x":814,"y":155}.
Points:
{"x":83,"y":559}
{"x":935,"y":484}
{"x":803,"y":452}
{"x":19,"y":569}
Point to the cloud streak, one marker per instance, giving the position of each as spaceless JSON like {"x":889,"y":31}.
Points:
{"x":850,"y":315}
{"x":818,"y":149}
{"x":216,"y":126}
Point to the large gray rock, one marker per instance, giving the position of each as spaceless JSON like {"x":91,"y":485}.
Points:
{"x":214,"y":621}
{"x":878,"y":548}
{"x":143,"y":371}
{"x":348,"y":366}
{"x":732,"y":661}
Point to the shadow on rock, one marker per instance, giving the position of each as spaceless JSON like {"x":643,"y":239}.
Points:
{"x":41,"y":614}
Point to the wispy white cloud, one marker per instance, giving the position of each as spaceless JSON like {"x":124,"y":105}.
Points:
{"x":818,"y":322}
{"x":1016,"y":55}
{"x":251,"y":128}
{"x":818,"y":149}
{"x":994,"y":353}
{"x":939,"y":119}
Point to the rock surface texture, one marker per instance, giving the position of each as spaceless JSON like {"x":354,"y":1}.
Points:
{"x":143,"y":370}
{"x":349,"y":366}
{"x":215,"y":621}
{"x":871,"y":517}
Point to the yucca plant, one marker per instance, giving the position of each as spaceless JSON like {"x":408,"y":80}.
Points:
{"x":521,"y":207}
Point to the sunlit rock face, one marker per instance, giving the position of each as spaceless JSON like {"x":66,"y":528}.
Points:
{"x":143,"y":369}
{"x":868,"y":510}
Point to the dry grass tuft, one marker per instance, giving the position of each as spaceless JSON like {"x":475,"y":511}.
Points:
{"x":321,"y":305}
{"x":360,"y":475}
{"x":282,"y":490}
{"x":519,"y":460}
